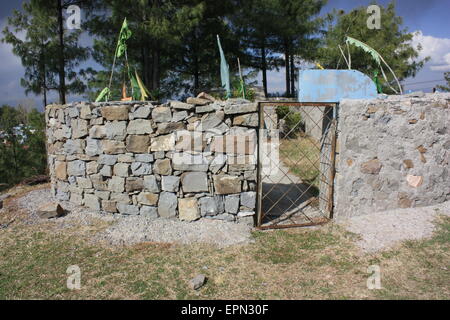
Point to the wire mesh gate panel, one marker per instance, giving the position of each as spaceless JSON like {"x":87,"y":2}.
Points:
{"x":296,"y":164}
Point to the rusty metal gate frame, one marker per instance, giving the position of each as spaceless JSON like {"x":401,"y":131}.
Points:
{"x":259,"y":210}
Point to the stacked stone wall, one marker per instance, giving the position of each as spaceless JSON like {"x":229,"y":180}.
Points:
{"x":172,"y":160}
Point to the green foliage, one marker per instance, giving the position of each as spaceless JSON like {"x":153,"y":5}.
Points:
{"x":392,"y":41}
{"x":42,"y":50}
{"x":447,"y":78}
{"x":22,"y":145}
{"x":293,"y":120}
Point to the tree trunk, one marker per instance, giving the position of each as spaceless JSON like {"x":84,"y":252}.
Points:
{"x":287,"y":69}
{"x":292,"y":76}
{"x":62,"y":64}
{"x":156,"y":70}
{"x":196,"y":68}
{"x":264,"y":69}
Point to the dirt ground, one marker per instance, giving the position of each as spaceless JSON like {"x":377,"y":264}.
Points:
{"x":315,"y":263}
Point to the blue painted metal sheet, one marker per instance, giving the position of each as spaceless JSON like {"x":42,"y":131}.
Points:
{"x":334,"y":85}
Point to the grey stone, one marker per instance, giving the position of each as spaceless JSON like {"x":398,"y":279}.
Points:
{"x":168,"y":127}
{"x":181,"y":105}
{"x":240,"y":108}
{"x":151,"y":184}
{"x":76,"y":168}
{"x":144,"y":157}
{"x":208,"y":108}
{"x":134,"y":184}
{"x":106,"y":171}
{"x":141,"y":168}
{"x":232,"y":204}
{"x":92,"y":201}
{"x":161,"y":114}
{"x":116,"y":130}
{"x":116,"y":184}
{"x":194,"y":182}
{"x":63,"y":133}
{"x":163,"y":167}
{"x":246,"y":120}
{"x":107,"y":159}
{"x":170,"y":183}
{"x":159,"y":154}
{"x":74,"y":146}
{"x":189,"y":162}
{"x":218,"y":162}
{"x":79,"y":128}
{"x":179,"y":116}
{"x":127,"y":209}
{"x":163,"y":143}
{"x":74,"y":112}
{"x":103,"y":195}
{"x":210,"y":121}
{"x":248,"y":199}
{"x":197,"y":282}
{"x":93,"y":147}
{"x":141,"y":112}
{"x":211,"y":206}
{"x":149,"y":212}
{"x":50,"y":210}
{"x":84,"y":183}
{"x":122,"y":169}
{"x":140,"y":126}
{"x":120,"y":198}
{"x":97,"y":132}
{"x":167,"y":205}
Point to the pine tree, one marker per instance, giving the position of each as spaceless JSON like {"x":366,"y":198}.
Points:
{"x":392,"y":41}
{"x":295,"y":31}
{"x":49,"y":53}
{"x":254,"y":24}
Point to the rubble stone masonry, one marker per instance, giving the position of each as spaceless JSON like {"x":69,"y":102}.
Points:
{"x":174,"y":160}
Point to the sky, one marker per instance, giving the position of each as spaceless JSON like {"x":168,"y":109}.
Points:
{"x":428,"y":19}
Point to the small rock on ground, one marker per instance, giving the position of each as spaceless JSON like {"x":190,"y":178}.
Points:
{"x":197,"y":282}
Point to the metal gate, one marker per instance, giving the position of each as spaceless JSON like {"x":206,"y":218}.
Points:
{"x":296,"y":164}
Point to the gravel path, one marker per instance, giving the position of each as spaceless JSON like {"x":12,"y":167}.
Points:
{"x":126,"y":230}
{"x":384,"y":229}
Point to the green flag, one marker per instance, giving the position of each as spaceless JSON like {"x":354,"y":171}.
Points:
{"x":224,"y":71}
{"x":103,"y":96}
{"x":124,"y":35}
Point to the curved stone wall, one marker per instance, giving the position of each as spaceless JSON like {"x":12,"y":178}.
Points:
{"x":173,"y":160}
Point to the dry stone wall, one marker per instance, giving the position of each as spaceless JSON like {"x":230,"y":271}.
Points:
{"x":394,"y":152}
{"x":174,"y":160}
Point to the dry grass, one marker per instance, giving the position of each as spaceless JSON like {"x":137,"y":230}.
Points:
{"x":319,"y":263}
{"x":301,"y":155}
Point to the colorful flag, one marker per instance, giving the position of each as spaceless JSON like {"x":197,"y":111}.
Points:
{"x":124,"y":35}
{"x":224,"y":71}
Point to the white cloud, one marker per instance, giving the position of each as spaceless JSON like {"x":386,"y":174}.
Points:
{"x":438,"y":49}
